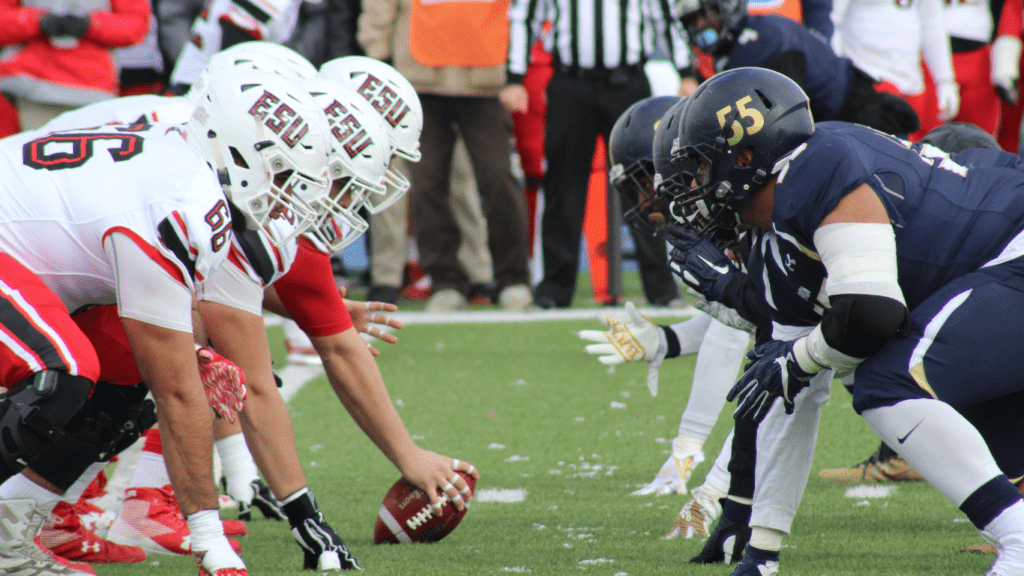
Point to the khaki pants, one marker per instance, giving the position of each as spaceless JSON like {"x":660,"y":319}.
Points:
{"x":34,"y":114}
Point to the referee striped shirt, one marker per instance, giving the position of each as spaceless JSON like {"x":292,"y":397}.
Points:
{"x":595,"y":34}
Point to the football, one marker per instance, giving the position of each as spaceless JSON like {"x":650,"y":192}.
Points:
{"x":404,"y":515}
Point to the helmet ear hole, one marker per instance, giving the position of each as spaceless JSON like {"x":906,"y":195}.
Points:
{"x":745,"y":157}
{"x":236,"y":156}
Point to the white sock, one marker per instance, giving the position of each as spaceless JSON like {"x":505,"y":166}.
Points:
{"x":151,"y":472}
{"x":78,"y":488}
{"x":766,"y":538}
{"x":718,"y":362}
{"x":238,"y":466}
{"x":934,"y":439}
{"x":719,"y":477}
{"x":1007,"y":530}
{"x":19,"y":487}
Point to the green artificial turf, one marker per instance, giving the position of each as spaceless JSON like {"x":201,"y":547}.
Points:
{"x":537,"y":415}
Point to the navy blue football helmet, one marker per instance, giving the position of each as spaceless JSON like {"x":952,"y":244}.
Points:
{"x":737,"y":127}
{"x":632,"y":168}
{"x":715,"y":32}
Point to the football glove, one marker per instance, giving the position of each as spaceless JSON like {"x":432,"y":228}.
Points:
{"x":772,"y":373}
{"x":948,"y":93}
{"x":223,"y":382}
{"x":701,"y":265}
{"x":1006,"y":67}
{"x":722,"y":313}
{"x":322,"y":548}
{"x":629,"y":338}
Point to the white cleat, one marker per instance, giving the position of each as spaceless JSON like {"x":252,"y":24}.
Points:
{"x":20,"y":554}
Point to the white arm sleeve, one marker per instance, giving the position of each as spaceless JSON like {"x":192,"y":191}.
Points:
{"x":231,"y":286}
{"x":145,"y":291}
{"x":838,"y":16}
{"x":935,"y":41}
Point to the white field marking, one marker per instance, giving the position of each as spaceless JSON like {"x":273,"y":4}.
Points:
{"x":866,"y":491}
{"x":502,"y":495}
{"x":295,"y":377}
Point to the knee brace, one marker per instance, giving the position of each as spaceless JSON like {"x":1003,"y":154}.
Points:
{"x":111,"y":421}
{"x":33,"y":416}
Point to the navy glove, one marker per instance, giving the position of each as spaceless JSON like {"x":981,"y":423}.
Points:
{"x":773,"y":372}
{"x":700,"y":264}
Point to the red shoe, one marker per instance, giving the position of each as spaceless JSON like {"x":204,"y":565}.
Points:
{"x":98,"y":486}
{"x":151,"y":520}
{"x":66,"y":537}
{"x":64,"y":561}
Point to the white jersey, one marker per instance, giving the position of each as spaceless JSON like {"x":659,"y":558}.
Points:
{"x":886,"y":38}
{"x":62,"y":194}
{"x":144,"y":109}
{"x":970,"y":19}
{"x":269,"y":20}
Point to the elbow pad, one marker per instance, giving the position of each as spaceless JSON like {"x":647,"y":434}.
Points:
{"x":859,"y":325}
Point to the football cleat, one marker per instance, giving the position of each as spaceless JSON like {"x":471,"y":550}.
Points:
{"x":66,"y":536}
{"x":725,"y":544}
{"x":885,"y":465}
{"x":20,"y":550}
{"x":151,"y":520}
{"x":212,"y":563}
{"x":757,"y":562}
{"x":263,"y":500}
{"x":697,"y":516}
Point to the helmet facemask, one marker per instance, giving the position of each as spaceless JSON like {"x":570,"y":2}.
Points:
{"x":339,"y":223}
{"x":635,"y":184}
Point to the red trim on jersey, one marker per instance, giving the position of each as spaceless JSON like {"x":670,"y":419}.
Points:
{"x":153,"y":445}
{"x":38,"y":330}
{"x":310,"y":295}
{"x":181,"y":224}
{"x":154,"y":254}
{"x":236,"y":257}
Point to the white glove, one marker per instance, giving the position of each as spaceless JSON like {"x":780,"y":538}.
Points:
{"x":629,"y":338}
{"x":672,"y":477}
{"x":948,"y":92}
{"x":722,"y":313}
{"x":1006,"y":66}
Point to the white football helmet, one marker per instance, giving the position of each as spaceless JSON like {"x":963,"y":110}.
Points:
{"x":360,"y":154}
{"x":394,"y":98}
{"x":302,"y":67}
{"x":230,"y":60}
{"x":268,"y":141}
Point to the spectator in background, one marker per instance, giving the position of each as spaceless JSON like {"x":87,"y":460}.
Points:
{"x":326,"y":30}
{"x":65,"y":59}
{"x":456,"y":64}
{"x":593,"y":84}
{"x":888,"y":39}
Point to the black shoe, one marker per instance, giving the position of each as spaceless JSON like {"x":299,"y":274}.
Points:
{"x":264,"y":501}
{"x":387,"y":294}
{"x":725,"y":545}
{"x":545,"y":302}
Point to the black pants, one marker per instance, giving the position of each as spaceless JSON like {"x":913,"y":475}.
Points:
{"x":580,"y":109}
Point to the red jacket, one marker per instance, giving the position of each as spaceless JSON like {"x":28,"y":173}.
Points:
{"x":32,"y":67}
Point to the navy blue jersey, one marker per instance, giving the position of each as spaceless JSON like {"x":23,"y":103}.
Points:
{"x":789,"y":282}
{"x":949,"y":219}
{"x":780,"y":44}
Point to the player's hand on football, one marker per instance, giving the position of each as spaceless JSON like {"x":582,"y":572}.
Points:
{"x":436,"y":475}
{"x":223,"y":382}
{"x":366,"y":319}
{"x":630,"y":338}
{"x":773,"y":372}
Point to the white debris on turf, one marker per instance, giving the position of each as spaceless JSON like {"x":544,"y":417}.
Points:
{"x":503,"y":495}
{"x":618,"y":405}
{"x":519,"y":382}
{"x":596,"y":561}
{"x":580,"y":418}
{"x":865,"y":491}
{"x":516,"y":569}
{"x":496,"y":446}
{"x":517,"y":458}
